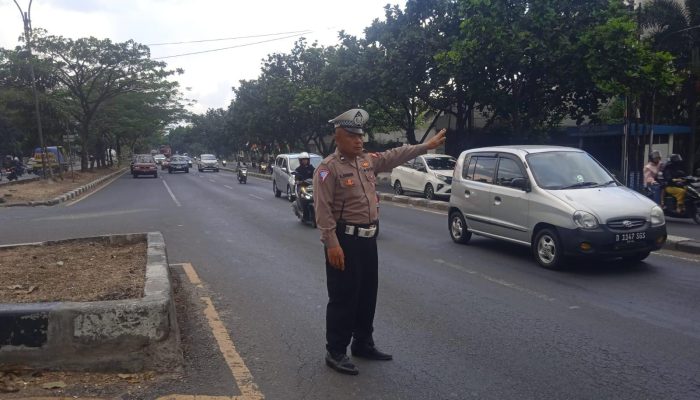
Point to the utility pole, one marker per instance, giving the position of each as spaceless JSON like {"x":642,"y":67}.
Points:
{"x":26,"y":19}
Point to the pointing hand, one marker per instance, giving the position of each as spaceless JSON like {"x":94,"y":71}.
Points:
{"x":437,"y":140}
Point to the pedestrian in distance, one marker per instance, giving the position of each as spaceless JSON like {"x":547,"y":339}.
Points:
{"x":651,"y":173}
{"x":346,"y":213}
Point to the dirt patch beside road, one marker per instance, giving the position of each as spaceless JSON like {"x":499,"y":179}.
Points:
{"x":72,"y":271}
{"x":44,"y":190}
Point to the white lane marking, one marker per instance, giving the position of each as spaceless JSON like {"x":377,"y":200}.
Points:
{"x":256,"y":197}
{"x":391,"y":203}
{"x":212,"y":181}
{"x":228,"y":187}
{"x":662,"y":254}
{"x":171,"y":194}
{"x":498,"y":281}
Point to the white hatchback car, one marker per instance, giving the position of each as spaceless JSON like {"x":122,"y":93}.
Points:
{"x":429,"y":174}
{"x":557,"y":200}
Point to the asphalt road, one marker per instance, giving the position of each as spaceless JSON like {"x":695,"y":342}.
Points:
{"x":481,"y":321}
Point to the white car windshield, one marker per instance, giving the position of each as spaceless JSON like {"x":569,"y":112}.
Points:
{"x":441,"y":163}
{"x":568,"y":170}
{"x":294,"y":162}
{"x":208,"y":157}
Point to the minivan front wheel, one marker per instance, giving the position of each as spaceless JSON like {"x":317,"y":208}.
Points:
{"x":277,"y":192}
{"x":458,"y":228}
{"x":547,"y":249}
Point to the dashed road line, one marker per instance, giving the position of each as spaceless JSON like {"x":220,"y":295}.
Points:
{"x":497,"y":281}
{"x":171,"y":194}
{"x":228,"y":187}
{"x":256,"y":197}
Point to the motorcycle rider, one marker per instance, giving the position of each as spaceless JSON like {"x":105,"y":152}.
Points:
{"x":651,"y":172}
{"x":674,"y":174}
{"x":303,"y":172}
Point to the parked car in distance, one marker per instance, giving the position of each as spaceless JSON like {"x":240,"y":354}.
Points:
{"x":159,"y":158}
{"x":559,"y":201}
{"x":429,"y":175}
{"x":144,"y":164}
{"x":178,"y":163}
{"x":208,"y":162}
{"x":282,"y":178}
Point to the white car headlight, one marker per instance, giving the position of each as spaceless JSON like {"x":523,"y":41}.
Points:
{"x":657,"y":216}
{"x":585,"y":220}
{"x":441,"y":177}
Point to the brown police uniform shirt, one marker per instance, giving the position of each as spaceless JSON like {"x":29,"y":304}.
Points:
{"x":345,"y":189}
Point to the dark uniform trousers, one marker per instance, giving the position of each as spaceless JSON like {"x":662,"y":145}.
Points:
{"x":352,"y":293}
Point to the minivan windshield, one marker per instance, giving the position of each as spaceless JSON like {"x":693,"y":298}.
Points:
{"x":441,"y":163}
{"x":294,"y":162}
{"x":568,"y":170}
{"x":208,"y":157}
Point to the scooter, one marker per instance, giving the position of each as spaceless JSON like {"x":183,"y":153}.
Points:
{"x":242,"y":175}
{"x":304,"y":205}
{"x":12,"y":174}
{"x":691,"y":185}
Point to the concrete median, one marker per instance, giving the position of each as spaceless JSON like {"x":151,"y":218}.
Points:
{"x":120,"y":335}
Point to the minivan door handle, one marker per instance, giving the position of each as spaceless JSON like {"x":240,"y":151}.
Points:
{"x":497,"y":200}
{"x":467,"y":193}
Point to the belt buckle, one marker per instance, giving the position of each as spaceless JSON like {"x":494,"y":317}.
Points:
{"x":366,"y":232}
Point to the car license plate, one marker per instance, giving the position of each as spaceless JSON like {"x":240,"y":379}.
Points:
{"x":630,"y":237}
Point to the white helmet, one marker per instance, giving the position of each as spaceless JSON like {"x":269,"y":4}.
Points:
{"x":304,"y":155}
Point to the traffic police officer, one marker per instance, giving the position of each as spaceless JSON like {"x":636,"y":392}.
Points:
{"x":345,"y":202}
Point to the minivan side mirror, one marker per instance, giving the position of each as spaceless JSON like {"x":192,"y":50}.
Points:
{"x":520,"y":183}
{"x":421,"y":169}
{"x":285,"y":169}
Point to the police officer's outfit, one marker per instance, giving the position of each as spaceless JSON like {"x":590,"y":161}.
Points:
{"x":345,"y":202}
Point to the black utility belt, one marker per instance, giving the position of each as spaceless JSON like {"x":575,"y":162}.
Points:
{"x":363,"y":231}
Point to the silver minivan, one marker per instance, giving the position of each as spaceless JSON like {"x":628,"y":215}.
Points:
{"x":559,"y":201}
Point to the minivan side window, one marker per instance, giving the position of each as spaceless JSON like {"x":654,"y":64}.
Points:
{"x":508,"y":169}
{"x":484,"y":169}
{"x":409,"y":163}
{"x":468,"y":170}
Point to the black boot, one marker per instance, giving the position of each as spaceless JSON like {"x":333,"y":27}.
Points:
{"x":341,"y":363}
{"x":369,"y":351}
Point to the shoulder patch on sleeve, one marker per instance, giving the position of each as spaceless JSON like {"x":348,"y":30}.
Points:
{"x":323,"y":173}
{"x":374,"y":155}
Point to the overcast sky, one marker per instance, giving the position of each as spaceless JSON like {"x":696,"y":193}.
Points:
{"x":210,"y":76}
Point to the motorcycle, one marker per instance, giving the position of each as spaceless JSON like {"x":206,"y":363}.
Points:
{"x":304,"y":205}
{"x":242,"y":175}
{"x":12,"y":174}
{"x":691,"y":185}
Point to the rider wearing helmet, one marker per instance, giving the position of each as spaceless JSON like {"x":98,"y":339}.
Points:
{"x":305,"y":170}
{"x":674,"y":174}
{"x":651,"y":172}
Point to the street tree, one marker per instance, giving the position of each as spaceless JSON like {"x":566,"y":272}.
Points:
{"x":95,"y":70}
{"x":674,"y":26}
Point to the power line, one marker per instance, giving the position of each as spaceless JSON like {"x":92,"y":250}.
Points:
{"x":230,"y":38}
{"x":230,"y":47}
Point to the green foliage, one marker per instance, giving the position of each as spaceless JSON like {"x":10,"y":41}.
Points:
{"x":620,"y":63}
